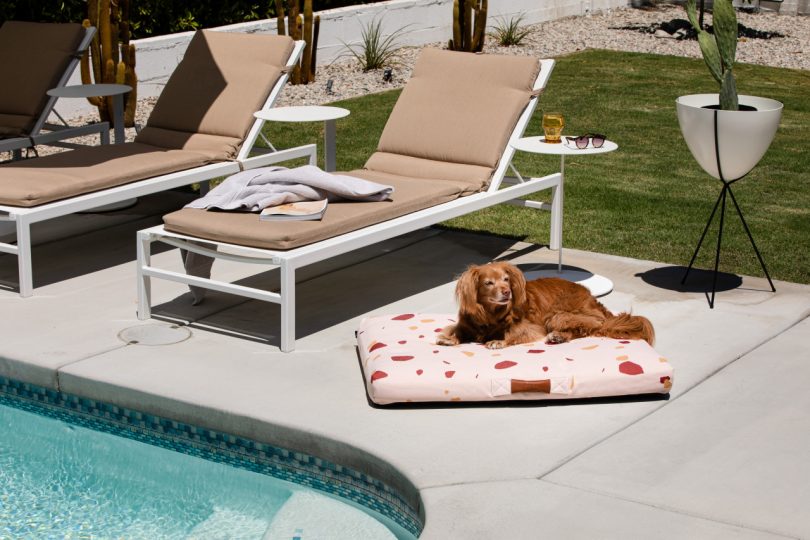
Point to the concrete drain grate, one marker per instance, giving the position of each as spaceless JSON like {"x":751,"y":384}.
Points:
{"x":154,"y":334}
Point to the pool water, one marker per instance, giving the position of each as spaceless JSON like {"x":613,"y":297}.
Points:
{"x":66,"y":481}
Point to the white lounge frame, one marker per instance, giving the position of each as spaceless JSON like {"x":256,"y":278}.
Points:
{"x":288,"y":261}
{"x":25,"y":217}
{"x":57,"y":133}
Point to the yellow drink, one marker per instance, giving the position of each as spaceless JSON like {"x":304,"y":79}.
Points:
{"x":553,"y":124}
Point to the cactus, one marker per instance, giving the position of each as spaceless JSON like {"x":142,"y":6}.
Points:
{"x":469,"y":25}
{"x":111,"y":58}
{"x":719,"y":50}
{"x":300,"y":26}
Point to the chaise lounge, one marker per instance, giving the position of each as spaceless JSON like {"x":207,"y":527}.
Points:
{"x":200,"y":129}
{"x":445,"y":150}
{"x":35,"y":58}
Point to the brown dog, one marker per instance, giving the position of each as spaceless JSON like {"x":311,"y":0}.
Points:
{"x":498,"y":307}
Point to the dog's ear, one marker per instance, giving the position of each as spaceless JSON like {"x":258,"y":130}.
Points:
{"x":467,"y":295}
{"x":517,"y":282}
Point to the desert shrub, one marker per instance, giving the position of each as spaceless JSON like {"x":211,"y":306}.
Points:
{"x":508,"y":32}
{"x":375,"y":50}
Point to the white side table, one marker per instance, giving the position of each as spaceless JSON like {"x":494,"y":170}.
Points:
{"x":598,"y":285}
{"x":310,"y":113}
{"x":116,"y":91}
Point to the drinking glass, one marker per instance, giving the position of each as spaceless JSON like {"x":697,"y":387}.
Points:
{"x":553,"y":124}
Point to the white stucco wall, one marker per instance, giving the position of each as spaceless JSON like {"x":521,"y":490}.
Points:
{"x":426,"y":21}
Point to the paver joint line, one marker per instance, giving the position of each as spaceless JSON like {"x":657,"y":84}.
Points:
{"x":58,"y":371}
{"x":670,"y":509}
{"x":562,"y":464}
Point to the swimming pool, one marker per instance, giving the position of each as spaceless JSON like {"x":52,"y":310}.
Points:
{"x":72,"y":467}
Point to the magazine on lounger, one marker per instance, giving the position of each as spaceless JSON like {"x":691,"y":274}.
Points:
{"x":301,"y":210}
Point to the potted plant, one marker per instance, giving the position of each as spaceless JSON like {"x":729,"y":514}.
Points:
{"x":727,"y":133}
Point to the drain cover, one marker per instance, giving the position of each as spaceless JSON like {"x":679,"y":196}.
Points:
{"x":154,"y":334}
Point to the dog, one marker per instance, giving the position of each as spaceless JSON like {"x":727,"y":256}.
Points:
{"x":498,"y":307}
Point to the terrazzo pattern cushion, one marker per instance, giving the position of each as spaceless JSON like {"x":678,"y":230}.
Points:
{"x":402,"y":363}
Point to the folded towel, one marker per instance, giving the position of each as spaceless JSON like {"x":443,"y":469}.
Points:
{"x":256,"y":189}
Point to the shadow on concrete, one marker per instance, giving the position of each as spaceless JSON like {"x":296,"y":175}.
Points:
{"x":669,"y":277}
{"x":78,"y":244}
{"x":521,"y":404}
{"x":344,"y":287}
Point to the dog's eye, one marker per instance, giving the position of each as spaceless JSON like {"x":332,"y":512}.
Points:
{"x":489,"y":283}
{"x":506,"y":279}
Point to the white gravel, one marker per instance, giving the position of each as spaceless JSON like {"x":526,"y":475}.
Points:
{"x":552,"y":39}
{"x":565,"y":36}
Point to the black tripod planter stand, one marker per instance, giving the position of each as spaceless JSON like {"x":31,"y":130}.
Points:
{"x":722,"y":198}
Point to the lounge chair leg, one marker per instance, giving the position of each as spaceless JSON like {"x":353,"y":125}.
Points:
{"x":144,"y":281}
{"x":24,"y":258}
{"x":287,"y":291}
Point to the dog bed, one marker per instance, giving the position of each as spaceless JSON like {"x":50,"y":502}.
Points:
{"x":402,"y":363}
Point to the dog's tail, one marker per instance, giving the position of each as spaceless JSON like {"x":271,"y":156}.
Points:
{"x":626,"y":326}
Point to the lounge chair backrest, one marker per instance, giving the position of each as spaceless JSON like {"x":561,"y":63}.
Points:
{"x":33,"y":59}
{"x":454,"y":117}
{"x":209,"y":101}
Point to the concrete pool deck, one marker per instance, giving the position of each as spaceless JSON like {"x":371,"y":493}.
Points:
{"x":725,"y":455}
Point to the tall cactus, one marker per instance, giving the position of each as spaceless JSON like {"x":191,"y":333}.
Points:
{"x":469,"y":25}
{"x":300,"y":26}
{"x":719,"y":50}
{"x":111,"y":58}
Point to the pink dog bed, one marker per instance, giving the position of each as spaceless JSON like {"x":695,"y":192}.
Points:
{"x":402,"y":363}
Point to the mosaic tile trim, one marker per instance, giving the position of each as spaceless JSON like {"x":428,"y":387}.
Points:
{"x":214,"y":446}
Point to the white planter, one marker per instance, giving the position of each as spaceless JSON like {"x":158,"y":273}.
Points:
{"x":743,"y":137}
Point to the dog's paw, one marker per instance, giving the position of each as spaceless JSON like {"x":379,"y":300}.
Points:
{"x":447,"y":341}
{"x":495,"y":344}
{"x":555,"y":337}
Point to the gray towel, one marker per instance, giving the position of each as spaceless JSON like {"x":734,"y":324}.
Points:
{"x":256,"y":189}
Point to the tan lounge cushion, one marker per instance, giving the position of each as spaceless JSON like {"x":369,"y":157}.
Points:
{"x":507,"y":71}
{"x":443,"y":140}
{"x":67,"y":174}
{"x":245,"y":229}
{"x":201,"y":118}
{"x":459,"y":107}
{"x":33,"y":58}
{"x":222,"y":80}
{"x":219,"y":147}
{"x":475,"y":177}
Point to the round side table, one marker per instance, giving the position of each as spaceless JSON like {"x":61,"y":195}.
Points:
{"x":310,"y":113}
{"x":597,"y":284}
{"x":116,"y":91}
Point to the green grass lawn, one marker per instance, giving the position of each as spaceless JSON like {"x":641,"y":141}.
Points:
{"x":650,"y":199}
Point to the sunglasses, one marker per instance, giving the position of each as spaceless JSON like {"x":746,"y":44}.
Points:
{"x":582,"y":141}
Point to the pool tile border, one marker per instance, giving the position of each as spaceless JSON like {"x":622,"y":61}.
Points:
{"x":213,"y":445}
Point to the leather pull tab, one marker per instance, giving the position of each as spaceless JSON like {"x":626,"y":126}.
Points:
{"x":539,"y":385}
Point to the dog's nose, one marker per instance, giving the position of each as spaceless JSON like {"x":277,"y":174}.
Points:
{"x":506,"y":293}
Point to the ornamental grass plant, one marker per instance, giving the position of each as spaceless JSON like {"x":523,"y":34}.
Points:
{"x":508,"y":32}
{"x":375,"y":50}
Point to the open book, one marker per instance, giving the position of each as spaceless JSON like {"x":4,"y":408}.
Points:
{"x":302,"y":210}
